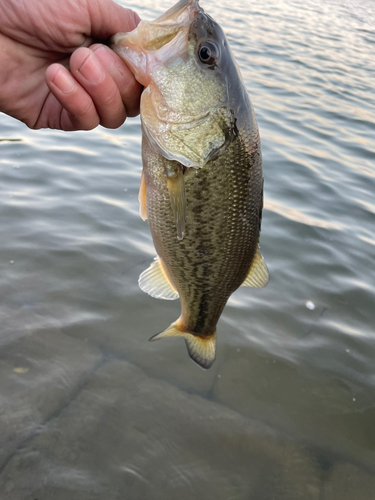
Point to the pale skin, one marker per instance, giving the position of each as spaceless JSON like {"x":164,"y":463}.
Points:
{"x":55,"y":73}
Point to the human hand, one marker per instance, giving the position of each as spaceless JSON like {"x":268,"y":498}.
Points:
{"x":40,"y":39}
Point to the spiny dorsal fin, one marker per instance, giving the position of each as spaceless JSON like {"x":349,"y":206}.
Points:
{"x":257,"y":276}
{"x":176,"y":188}
{"x":201,"y":349}
{"x":142,"y":198}
{"x":155,"y":282}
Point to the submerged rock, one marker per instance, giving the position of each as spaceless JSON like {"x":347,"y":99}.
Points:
{"x":128,"y":436}
{"x":39,"y":374}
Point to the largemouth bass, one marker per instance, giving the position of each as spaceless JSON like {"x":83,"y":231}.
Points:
{"x":202,"y":182}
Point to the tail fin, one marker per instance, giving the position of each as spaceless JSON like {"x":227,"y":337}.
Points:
{"x":201,"y":349}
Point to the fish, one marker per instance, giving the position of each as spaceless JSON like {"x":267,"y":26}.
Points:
{"x":202,"y":181}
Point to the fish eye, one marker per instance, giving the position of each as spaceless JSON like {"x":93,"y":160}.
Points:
{"x":208,"y":52}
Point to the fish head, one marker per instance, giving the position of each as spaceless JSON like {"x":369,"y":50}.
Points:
{"x":193,"y":89}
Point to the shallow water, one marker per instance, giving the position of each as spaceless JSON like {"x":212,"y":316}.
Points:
{"x":89,"y":408}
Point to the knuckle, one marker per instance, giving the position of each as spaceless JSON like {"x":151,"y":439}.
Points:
{"x":112,"y":99}
{"x":130,"y":88}
{"x":85,"y":117}
{"x":113,"y":119}
{"x":85,"y":110}
{"x":111,"y":108}
{"x":113,"y":123}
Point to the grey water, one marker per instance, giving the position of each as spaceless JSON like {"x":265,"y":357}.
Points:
{"x":89,"y":409}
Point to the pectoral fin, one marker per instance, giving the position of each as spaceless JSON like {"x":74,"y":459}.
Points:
{"x":257,"y":276}
{"x":155,"y":282}
{"x":176,"y":188}
{"x":142,"y":198}
{"x":201,"y":349}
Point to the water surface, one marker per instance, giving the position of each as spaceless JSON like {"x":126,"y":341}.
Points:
{"x":90,"y":409}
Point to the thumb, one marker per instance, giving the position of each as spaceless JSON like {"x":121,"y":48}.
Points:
{"x":108,"y":18}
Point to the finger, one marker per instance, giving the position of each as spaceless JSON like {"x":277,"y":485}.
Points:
{"x":80,"y":112}
{"x":108,"y":18}
{"x":130,"y":90}
{"x":98,"y":83}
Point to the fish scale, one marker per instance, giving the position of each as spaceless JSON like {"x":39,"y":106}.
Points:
{"x":202,"y":181}
{"x":222,"y":215}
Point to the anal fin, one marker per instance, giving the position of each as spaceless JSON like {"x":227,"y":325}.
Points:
{"x":176,"y":188}
{"x":258,"y":276}
{"x":142,"y":198}
{"x":201,"y":349}
{"x":155,"y":282}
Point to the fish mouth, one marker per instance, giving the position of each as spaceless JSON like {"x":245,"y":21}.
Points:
{"x":182,"y":11}
{"x":143,"y":47}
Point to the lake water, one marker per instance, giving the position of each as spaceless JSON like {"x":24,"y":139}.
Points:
{"x":89,"y":409}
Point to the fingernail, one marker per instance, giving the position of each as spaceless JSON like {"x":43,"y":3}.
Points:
{"x":91,"y":69}
{"x":64,"y":81}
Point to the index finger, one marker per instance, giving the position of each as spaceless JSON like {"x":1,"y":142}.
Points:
{"x":130,"y":90}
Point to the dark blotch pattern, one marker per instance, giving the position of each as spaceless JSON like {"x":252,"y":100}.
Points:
{"x":224,"y":204}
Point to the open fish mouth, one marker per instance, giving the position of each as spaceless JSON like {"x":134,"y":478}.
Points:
{"x":183,"y":10}
{"x":153,"y":35}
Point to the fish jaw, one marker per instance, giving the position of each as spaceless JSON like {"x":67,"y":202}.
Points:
{"x":181,"y":12}
{"x":144,"y":62}
{"x":141,"y":48}
{"x":132,"y":55}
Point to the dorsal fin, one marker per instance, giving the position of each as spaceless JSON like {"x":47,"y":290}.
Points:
{"x":257,"y":276}
{"x":155,"y":282}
